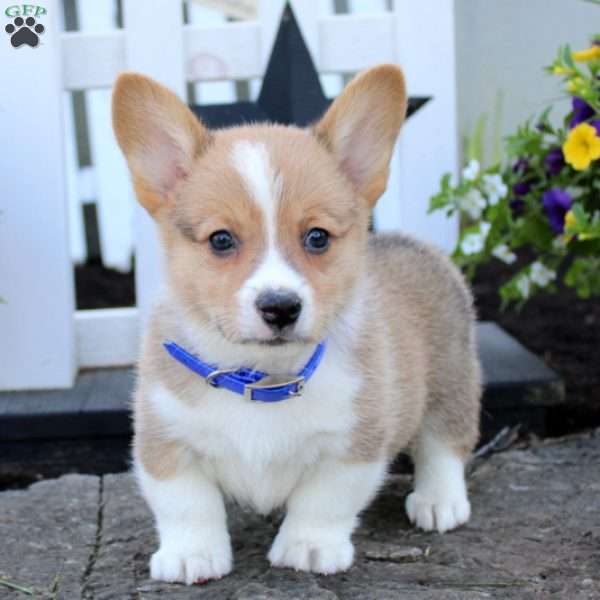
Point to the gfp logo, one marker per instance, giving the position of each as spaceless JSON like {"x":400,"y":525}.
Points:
{"x":24,"y":29}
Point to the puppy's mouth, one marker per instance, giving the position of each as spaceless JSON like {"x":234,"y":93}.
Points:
{"x":280,"y":339}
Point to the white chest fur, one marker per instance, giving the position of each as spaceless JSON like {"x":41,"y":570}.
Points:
{"x":257,"y":452}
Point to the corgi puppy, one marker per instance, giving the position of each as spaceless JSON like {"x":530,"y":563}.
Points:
{"x":293,"y":355}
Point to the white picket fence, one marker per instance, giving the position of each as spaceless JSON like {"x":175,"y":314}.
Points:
{"x":43,"y":339}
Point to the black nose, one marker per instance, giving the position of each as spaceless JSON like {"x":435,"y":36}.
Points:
{"x":279,"y":309}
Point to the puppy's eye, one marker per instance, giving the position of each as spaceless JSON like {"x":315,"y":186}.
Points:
{"x":222,"y":241}
{"x":316,"y":240}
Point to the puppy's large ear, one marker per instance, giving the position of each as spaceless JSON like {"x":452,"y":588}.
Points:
{"x":362,"y":125}
{"x":158,"y":134}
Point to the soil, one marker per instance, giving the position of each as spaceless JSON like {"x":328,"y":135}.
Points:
{"x":25,"y":462}
{"x":99,"y":287}
{"x":561,"y":328}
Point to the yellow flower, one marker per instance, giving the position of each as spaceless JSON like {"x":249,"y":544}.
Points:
{"x":587,"y":54}
{"x":561,"y":71}
{"x":570,"y":220}
{"x":582,"y":146}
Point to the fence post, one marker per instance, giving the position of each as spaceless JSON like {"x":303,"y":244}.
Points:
{"x":37,"y":332}
{"x":428,"y":145}
{"x":154,"y":47}
{"x":113,"y":194}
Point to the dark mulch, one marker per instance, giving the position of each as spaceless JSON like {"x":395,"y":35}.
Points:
{"x":565,"y":331}
{"x":99,"y":287}
{"x":25,"y":462}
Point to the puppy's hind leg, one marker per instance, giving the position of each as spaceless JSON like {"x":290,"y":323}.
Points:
{"x":448,"y":434}
{"x":439,"y":500}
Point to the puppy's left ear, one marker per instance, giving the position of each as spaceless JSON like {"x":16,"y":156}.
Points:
{"x":362,"y":125}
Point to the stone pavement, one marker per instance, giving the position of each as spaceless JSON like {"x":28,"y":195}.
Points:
{"x":535,"y":534}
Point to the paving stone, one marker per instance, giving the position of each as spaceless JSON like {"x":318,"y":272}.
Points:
{"x":534,"y":535}
{"x":48,"y":536}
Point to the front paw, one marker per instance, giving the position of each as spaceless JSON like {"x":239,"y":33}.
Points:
{"x":192,"y":566}
{"x":319,"y":551}
{"x":431,"y":510}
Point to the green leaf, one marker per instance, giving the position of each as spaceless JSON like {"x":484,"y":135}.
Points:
{"x":14,"y":586}
{"x":509,"y":292}
{"x":580,"y":215}
{"x":475,"y":141}
{"x":533,"y":229}
{"x":584,"y":276}
{"x":445,"y":182}
{"x":544,"y":120}
{"x":568,"y":57}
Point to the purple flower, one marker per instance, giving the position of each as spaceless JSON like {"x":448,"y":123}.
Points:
{"x":555,"y":160}
{"x":521,"y":188}
{"x":521,"y":165}
{"x":596,"y":126}
{"x":582,"y":111}
{"x":556,"y":203}
{"x":517,"y":206}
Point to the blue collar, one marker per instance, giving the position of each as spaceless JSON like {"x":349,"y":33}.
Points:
{"x":253,"y":385}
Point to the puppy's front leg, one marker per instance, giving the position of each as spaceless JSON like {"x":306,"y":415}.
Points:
{"x":322,"y":513}
{"x":192,"y":526}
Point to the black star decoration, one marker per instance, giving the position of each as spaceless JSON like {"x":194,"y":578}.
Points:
{"x":291,"y":93}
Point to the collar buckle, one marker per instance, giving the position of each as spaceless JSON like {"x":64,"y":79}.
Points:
{"x":210,"y":378}
{"x":272,"y":382}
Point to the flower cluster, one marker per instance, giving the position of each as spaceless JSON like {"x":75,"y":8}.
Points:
{"x":539,"y":211}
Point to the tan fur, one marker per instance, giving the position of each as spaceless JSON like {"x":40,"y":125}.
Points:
{"x":416,"y":344}
{"x":422,"y":329}
{"x":160,"y":454}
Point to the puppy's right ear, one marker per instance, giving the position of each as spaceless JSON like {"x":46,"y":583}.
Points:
{"x":159,"y":135}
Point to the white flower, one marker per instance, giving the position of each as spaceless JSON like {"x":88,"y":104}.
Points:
{"x":495,"y":188}
{"x":541,"y":275}
{"x":472,"y":203}
{"x":471,"y":171}
{"x":523,"y":285}
{"x":474,"y":242}
{"x":502,"y":252}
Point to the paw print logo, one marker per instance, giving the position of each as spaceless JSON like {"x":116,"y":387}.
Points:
{"x":24,"y":31}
